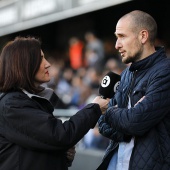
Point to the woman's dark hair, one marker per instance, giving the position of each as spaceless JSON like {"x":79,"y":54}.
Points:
{"x":19,"y":62}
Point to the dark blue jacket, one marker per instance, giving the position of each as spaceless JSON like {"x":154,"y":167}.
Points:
{"x":149,"y":121}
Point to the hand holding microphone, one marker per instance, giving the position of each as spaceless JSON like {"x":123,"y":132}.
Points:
{"x":103,"y":103}
{"x":107,"y":89}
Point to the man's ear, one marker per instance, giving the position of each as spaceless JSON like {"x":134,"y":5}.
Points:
{"x":143,"y":36}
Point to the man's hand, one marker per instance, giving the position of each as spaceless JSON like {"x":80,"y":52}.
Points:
{"x":140,"y":100}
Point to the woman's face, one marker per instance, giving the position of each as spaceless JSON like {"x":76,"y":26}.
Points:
{"x":42,"y":75}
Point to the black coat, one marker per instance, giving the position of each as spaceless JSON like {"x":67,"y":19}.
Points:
{"x":31,"y":138}
{"x":149,"y":121}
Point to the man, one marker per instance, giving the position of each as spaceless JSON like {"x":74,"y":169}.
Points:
{"x":138,"y":118}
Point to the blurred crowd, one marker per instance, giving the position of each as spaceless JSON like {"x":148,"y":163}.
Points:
{"x":76,"y":77}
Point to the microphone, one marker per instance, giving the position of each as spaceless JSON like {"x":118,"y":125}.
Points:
{"x":109,"y":85}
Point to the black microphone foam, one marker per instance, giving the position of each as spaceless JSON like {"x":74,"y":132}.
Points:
{"x":109,"y":85}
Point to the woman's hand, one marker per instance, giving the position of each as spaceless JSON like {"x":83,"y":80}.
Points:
{"x":103,"y":103}
{"x":71,"y":153}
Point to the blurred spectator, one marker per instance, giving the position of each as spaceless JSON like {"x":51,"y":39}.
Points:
{"x":76,"y":96}
{"x":115,"y":65}
{"x":81,"y":92}
{"x":93,"y":77}
{"x":94,"y":47}
{"x":91,"y":57}
{"x":76,"y":53}
{"x":64,"y":87}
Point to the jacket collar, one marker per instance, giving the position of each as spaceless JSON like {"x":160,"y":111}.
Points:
{"x":149,"y":61}
{"x":47,"y":94}
{"x":46,"y":103}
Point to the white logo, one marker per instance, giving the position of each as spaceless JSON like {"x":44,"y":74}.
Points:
{"x":116,"y":86}
{"x":106,"y":81}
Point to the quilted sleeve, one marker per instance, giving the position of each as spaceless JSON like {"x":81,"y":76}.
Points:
{"x":147,"y":113}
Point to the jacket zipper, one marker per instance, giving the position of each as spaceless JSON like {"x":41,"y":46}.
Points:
{"x":129,"y":96}
{"x":130,"y":88}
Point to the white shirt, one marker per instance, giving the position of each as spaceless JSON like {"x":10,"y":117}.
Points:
{"x":121,"y":159}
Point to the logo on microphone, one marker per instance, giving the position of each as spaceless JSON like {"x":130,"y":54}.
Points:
{"x":106,"y":81}
{"x":116,"y":86}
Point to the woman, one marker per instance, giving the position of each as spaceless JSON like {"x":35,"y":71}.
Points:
{"x":31,"y":138}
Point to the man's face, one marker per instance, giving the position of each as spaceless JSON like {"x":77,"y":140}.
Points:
{"x":128,"y":43}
